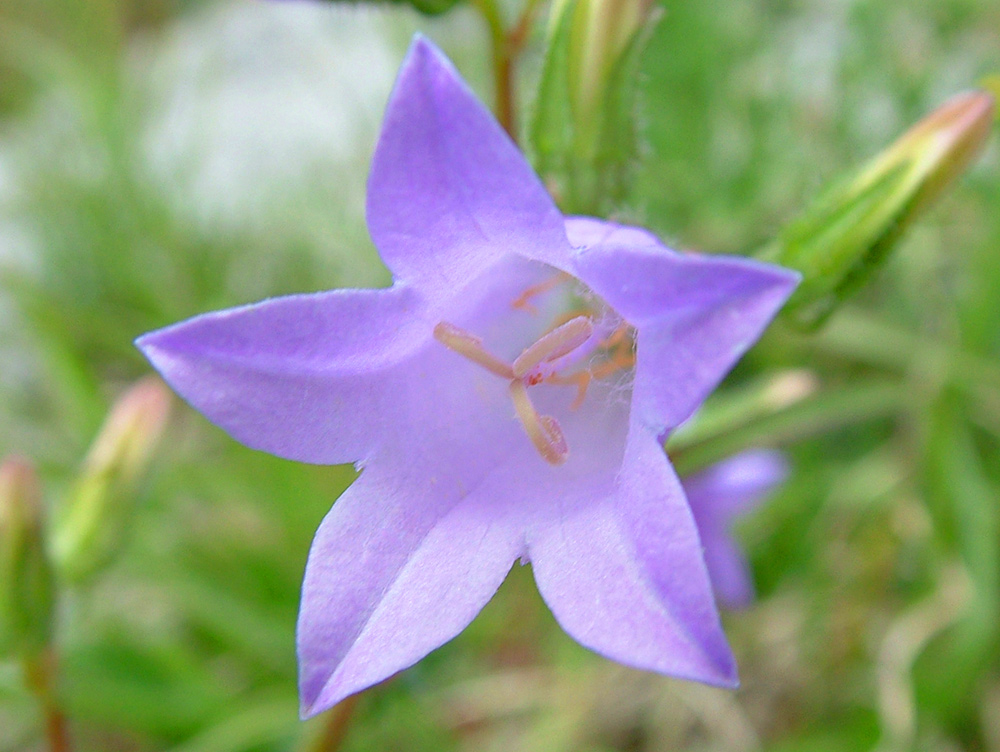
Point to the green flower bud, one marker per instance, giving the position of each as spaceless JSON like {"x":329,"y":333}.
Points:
{"x":584,"y":131}
{"x":91,"y":523}
{"x":851,"y":228}
{"x":600,"y":33}
{"x":26,"y":588}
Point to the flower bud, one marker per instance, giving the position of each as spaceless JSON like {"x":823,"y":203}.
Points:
{"x":600,"y":33}
{"x":584,"y":131}
{"x":851,"y":228}
{"x":91,"y":522}
{"x":26,"y":591}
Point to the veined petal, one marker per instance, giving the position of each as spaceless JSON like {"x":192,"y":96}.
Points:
{"x":624,"y":575}
{"x":306,"y":377}
{"x":696,"y":316}
{"x":397,"y":568}
{"x":449,"y":193}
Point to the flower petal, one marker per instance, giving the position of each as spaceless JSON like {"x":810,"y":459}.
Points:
{"x":624,"y":576}
{"x":449,"y":194}
{"x":728,"y":570}
{"x":307,"y":377}
{"x":696,"y":316}
{"x":397,"y":568}
{"x":586,"y":232}
{"x":717,"y":495}
{"x":736,"y":485}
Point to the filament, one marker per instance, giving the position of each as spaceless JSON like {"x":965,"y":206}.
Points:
{"x":471,"y":347}
{"x":544,"y":431}
{"x":522,"y":303}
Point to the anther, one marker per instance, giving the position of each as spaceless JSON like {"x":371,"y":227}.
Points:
{"x":560,"y":341}
{"x":471,"y":347}
{"x":544,"y":431}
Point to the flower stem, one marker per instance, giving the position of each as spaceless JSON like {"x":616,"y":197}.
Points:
{"x":40,"y":675}
{"x":502,"y":65}
{"x":337,"y":721}
{"x":518,"y":35}
{"x":506,"y":48}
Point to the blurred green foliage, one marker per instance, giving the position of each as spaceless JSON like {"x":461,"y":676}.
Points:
{"x":878,"y":565}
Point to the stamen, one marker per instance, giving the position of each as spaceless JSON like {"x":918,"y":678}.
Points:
{"x":471,"y":347}
{"x":521,"y":301}
{"x":582,"y":381}
{"x":617,"y":337}
{"x":562,"y":318}
{"x":560,"y":341}
{"x":619,"y":361}
{"x":543,"y":430}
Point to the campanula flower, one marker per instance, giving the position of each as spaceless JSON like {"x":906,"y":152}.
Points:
{"x":505,"y":399}
{"x":719,"y":496}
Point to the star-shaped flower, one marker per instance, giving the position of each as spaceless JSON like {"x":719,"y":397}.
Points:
{"x":505,"y":399}
{"x":719,"y":496}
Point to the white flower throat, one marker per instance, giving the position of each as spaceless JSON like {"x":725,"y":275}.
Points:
{"x":579,"y":346}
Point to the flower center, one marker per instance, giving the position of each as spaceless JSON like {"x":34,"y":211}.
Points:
{"x":578,"y":347}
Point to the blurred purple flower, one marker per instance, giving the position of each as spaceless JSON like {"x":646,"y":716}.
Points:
{"x":505,"y":399}
{"x":718,"y":496}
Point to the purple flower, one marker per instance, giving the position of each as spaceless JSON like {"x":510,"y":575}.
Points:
{"x":505,"y":399}
{"x":718,"y":496}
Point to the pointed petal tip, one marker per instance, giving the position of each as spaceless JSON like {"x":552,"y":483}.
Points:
{"x":162,"y":350}
{"x":316,"y":697}
{"x":144,"y":341}
{"x":782,"y":278}
{"x":425,"y":54}
{"x":729,"y":677}
{"x":793,"y":278}
{"x":421,"y":44}
{"x":149,"y":345}
{"x":714,"y":667}
{"x":310,"y":706}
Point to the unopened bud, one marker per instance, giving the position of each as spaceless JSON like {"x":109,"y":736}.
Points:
{"x":26,"y":591}
{"x":92,"y":520}
{"x":851,"y":229}
{"x":600,"y":34}
{"x":584,"y":132}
